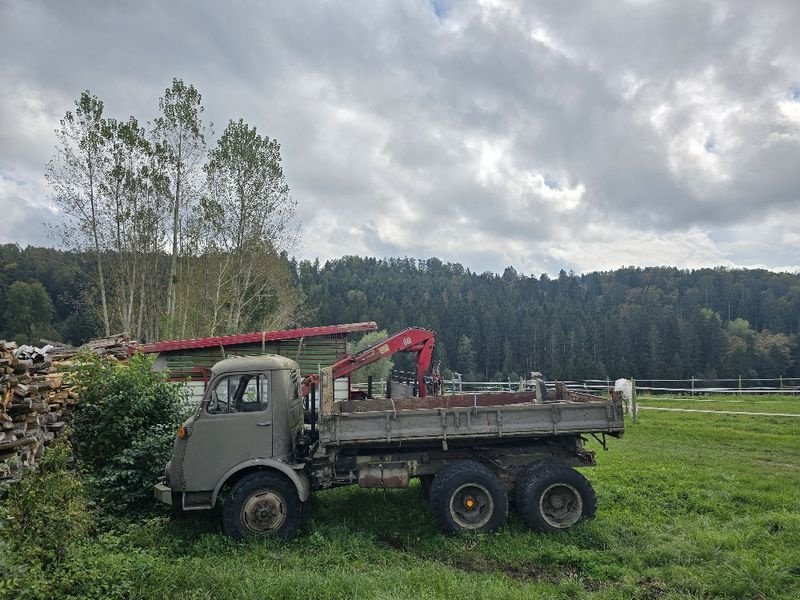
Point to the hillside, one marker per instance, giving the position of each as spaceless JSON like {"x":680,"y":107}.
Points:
{"x":642,"y":322}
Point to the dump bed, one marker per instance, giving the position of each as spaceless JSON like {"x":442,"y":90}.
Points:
{"x":480,"y":416}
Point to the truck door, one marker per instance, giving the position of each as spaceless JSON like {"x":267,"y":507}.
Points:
{"x":234,"y":424}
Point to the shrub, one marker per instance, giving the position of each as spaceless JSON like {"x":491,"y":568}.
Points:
{"x":46,"y":510}
{"x":124,"y":427}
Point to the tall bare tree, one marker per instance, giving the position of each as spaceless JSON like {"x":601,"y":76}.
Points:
{"x":222,"y":247}
{"x":179,"y":136}
{"x":135,"y":196}
{"x":74,"y":175}
{"x":249,"y":213}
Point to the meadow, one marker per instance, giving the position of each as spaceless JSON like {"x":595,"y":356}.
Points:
{"x":690,"y":505}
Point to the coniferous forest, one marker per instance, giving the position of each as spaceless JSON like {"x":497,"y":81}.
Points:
{"x":647,"y":323}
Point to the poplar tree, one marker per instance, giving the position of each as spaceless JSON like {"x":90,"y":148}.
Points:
{"x":179,"y":139}
{"x":248,"y":213}
{"x":74,"y":176}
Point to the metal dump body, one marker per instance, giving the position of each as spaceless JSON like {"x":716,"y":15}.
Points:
{"x":442,"y":418}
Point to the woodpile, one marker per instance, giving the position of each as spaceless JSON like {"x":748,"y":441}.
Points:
{"x":35,"y":403}
{"x":115,"y":345}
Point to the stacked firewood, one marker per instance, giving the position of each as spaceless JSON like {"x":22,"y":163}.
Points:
{"x":114,"y":345}
{"x":35,"y":403}
{"x":32,"y":402}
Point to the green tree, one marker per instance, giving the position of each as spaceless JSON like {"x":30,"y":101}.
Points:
{"x":29,"y":312}
{"x":134,"y":196}
{"x":179,"y":138}
{"x":466,"y":358}
{"x":740,"y":351}
{"x":773,"y":353}
{"x":75,"y":175}
{"x":379,"y":370}
{"x":508,"y":357}
{"x":247,"y":216}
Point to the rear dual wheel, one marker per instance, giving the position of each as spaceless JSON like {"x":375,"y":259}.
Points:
{"x":466,"y":496}
{"x":553,"y":497}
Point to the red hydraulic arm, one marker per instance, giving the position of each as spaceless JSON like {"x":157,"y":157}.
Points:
{"x":412,"y":339}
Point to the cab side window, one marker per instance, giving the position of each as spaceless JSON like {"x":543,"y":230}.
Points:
{"x":239,"y":393}
{"x":248,"y":397}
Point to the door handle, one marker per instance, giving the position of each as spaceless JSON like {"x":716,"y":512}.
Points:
{"x":264,"y":424}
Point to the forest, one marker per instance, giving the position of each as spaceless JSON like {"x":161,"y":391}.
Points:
{"x":656,"y":322}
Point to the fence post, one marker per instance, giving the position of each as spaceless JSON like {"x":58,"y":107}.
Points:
{"x":740,"y":385}
{"x":692,"y":386}
{"x":633,"y":399}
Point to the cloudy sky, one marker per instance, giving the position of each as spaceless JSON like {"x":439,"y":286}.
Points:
{"x":543,"y":135}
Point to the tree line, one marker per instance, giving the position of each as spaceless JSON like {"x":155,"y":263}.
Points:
{"x":184,"y":237}
{"x":635,"y":322}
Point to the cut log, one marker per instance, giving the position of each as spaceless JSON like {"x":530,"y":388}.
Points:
{"x":7,"y":445}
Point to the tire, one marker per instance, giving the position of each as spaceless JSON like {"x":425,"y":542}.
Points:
{"x":554,"y":497}
{"x":466,"y":496}
{"x":262,"y":505}
{"x":425,"y":483}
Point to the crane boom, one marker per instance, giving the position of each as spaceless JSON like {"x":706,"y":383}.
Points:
{"x":412,"y":339}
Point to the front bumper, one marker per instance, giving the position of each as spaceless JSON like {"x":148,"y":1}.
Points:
{"x":162,"y":493}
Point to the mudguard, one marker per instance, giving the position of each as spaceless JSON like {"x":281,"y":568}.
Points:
{"x":299,"y":479}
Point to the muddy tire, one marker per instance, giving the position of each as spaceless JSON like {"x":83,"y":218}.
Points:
{"x":262,"y":505}
{"x":466,"y":496}
{"x":553,"y":497}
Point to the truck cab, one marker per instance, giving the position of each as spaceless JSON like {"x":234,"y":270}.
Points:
{"x":246,"y":424}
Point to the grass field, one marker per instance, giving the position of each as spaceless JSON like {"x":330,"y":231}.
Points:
{"x":728,"y":402}
{"x":690,"y":505}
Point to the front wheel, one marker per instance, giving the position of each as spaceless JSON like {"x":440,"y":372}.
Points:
{"x":467,"y":496}
{"x":262,"y":505}
{"x":552,"y":497}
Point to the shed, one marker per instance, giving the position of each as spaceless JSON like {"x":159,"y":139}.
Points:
{"x":309,"y":346}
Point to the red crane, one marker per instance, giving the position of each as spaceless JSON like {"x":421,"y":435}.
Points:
{"x":412,"y":339}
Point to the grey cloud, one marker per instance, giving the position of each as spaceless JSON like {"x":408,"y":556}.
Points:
{"x":385,"y":111}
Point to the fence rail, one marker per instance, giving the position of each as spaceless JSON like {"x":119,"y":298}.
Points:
{"x":693,"y":387}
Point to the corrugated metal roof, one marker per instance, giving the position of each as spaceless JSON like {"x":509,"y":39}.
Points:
{"x":259,"y":336}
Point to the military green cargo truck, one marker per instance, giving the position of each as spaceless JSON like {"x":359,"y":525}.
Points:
{"x":249,"y":447}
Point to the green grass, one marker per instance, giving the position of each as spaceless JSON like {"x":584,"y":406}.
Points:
{"x":729,"y":402}
{"x":690,"y":505}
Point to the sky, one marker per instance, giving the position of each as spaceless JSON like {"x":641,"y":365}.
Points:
{"x":582,"y":135}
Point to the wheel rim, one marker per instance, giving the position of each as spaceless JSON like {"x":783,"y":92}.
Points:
{"x":264,"y":512}
{"x":561,"y":505}
{"x":471,"y":506}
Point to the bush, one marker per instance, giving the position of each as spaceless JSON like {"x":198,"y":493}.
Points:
{"x":46,"y":510}
{"x":124,"y":427}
